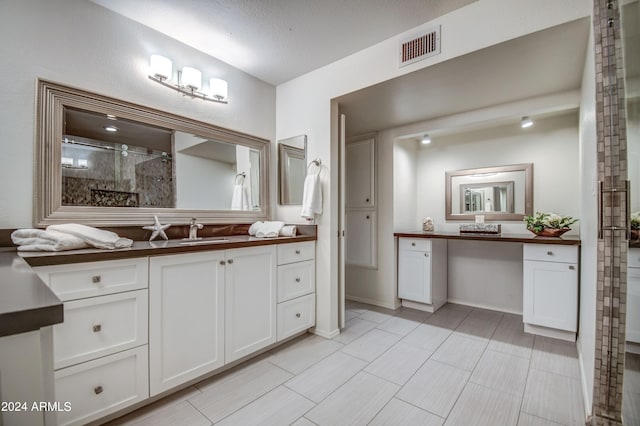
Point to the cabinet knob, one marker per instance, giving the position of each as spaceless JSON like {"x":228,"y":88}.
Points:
{"x":98,"y":390}
{"x":413,"y":244}
{"x":97,"y":328}
{"x":96,"y":279}
{"x":572,"y":267}
{"x":367,"y":200}
{"x":426,"y":255}
{"x":298,"y":315}
{"x":297,"y":251}
{"x":230,"y":261}
{"x":222,"y":262}
{"x":297,"y":279}
{"x":549,"y":253}
{"x":367,"y":216}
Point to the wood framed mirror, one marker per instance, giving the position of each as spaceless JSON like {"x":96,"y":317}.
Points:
{"x":107,"y":162}
{"x":292,"y":169}
{"x":499,"y":193}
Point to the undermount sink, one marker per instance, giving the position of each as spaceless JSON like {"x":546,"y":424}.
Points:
{"x":188,"y":242}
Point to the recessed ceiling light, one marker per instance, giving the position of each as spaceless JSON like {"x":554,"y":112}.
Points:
{"x":110,"y":128}
{"x":426,"y":140}
{"x":526,"y":122}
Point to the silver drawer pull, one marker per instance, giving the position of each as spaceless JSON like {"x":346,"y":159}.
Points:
{"x":426,"y":255}
{"x":298,"y":279}
{"x":549,"y":253}
{"x":96,"y":279}
{"x":298,"y":315}
{"x":297,"y":251}
{"x":98,"y":390}
{"x":230,"y":261}
{"x":413,"y":244}
{"x":222,"y":262}
{"x":572,"y":267}
{"x":97,"y":328}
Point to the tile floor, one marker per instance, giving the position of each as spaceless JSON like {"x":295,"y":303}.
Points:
{"x":459,"y":366}
{"x":631,"y":386}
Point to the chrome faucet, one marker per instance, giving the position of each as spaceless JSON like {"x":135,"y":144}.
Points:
{"x":193,"y":228}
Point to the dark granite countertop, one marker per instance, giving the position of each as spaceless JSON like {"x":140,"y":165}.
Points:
{"x":26,"y":303}
{"x":569,"y":240}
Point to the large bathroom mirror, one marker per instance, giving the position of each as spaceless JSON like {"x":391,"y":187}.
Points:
{"x":498,"y":193}
{"x":292,"y":169}
{"x":103,"y":161}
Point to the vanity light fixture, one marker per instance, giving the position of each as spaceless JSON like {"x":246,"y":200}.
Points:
{"x":111,"y":129}
{"x":426,"y":140}
{"x":526,"y":122}
{"x":189,"y":80}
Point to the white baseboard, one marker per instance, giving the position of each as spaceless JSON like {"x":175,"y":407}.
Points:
{"x":326,"y":334}
{"x":481,"y":306}
{"x":417,"y":305}
{"x":387,"y":305}
{"x":585,"y":388}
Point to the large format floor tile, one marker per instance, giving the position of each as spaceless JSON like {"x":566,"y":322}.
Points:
{"x":371,"y":345}
{"x":399,"y":325}
{"x":399,"y":413}
{"x":303,"y":353}
{"x":399,"y":363}
{"x":476,"y":328}
{"x":554,"y":397}
{"x":555,"y":356}
{"x":427,"y":337}
{"x":461,"y":352}
{"x":501,"y":372}
{"x":512,"y":341}
{"x":354,"y":329}
{"x":356,"y":402}
{"x":484,"y":407}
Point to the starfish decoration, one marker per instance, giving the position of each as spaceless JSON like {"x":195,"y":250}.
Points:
{"x":158,"y":229}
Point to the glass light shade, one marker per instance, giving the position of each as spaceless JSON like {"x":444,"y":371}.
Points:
{"x":426,"y":140}
{"x":160,"y":67}
{"x":218,"y":88}
{"x":526,"y":122}
{"x":191,"y":78}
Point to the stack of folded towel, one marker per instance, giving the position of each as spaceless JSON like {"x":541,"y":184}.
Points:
{"x":67,"y":236}
{"x":272,"y":229}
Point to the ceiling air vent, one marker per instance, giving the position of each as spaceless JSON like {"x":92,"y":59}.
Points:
{"x":420,"y":47}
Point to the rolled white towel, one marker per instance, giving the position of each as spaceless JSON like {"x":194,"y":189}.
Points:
{"x":269,"y":229}
{"x":288,"y":231}
{"x":98,"y":238}
{"x":41,"y":240}
{"x":254,"y":227}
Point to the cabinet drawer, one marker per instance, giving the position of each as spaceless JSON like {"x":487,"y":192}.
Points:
{"x":99,"y":326}
{"x":296,"y":252}
{"x":550,"y":253}
{"x":80,"y":280}
{"x":296,"y":315}
{"x":418,"y":244}
{"x":296,"y":279}
{"x":634,"y":259}
{"x":106,"y":385}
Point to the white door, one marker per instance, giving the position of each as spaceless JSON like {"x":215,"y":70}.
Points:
{"x":414,"y":276}
{"x":186,"y":317}
{"x":341,"y":224}
{"x":250,"y":300}
{"x":633,"y":305}
{"x":550,"y":293}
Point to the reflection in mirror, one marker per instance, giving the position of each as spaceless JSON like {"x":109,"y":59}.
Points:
{"x":499,"y":193}
{"x":292,"y":169}
{"x":103,"y":161}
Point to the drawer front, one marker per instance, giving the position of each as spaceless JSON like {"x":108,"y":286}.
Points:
{"x":296,"y":279}
{"x":296,"y":315}
{"x":81,"y":280}
{"x":106,"y":385}
{"x":100,"y":326}
{"x":417,"y":244}
{"x":296,"y":252}
{"x":550,"y":253}
{"x":634,"y":259}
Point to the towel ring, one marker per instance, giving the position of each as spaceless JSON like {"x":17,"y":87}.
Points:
{"x":317,"y":162}
{"x":242,"y":176}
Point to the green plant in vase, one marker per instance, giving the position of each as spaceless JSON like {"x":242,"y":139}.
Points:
{"x":550,"y":224}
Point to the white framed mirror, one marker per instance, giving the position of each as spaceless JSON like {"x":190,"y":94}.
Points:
{"x":497,"y":193}
{"x":103,"y":161}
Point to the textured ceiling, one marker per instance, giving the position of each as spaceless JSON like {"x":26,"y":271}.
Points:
{"x":277,"y":40}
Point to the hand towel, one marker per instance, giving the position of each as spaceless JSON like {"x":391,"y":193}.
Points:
{"x":41,"y":240}
{"x":288,"y":231}
{"x":312,"y":197}
{"x":240,"y":198}
{"x":254,"y":227}
{"x":269,"y":229}
{"x":98,"y":238}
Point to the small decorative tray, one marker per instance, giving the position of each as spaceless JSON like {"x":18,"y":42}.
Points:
{"x":480,"y":228}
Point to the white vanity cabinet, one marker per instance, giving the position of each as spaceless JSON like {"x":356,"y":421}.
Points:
{"x":550,"y":290}
{"x":296,"y":288}
{"x":186,"y":317}
{"x":422,"y":273}
{"x":633,"y":296}
{"x":100,"y":350}
{"x":250,"y":300}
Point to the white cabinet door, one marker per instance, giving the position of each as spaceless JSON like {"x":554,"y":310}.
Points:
{"x":551,"y":294}
{"x":633,"y":305}
{"x":186,"y":317}
{"x":360,"y":167}
{"x":250,"y":300}
{"x":414,"y":276}
{"x":361,"y":238}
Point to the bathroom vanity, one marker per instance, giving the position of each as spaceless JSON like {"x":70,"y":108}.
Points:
{"x":146,"y":321}
{"x":550,"y":276}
